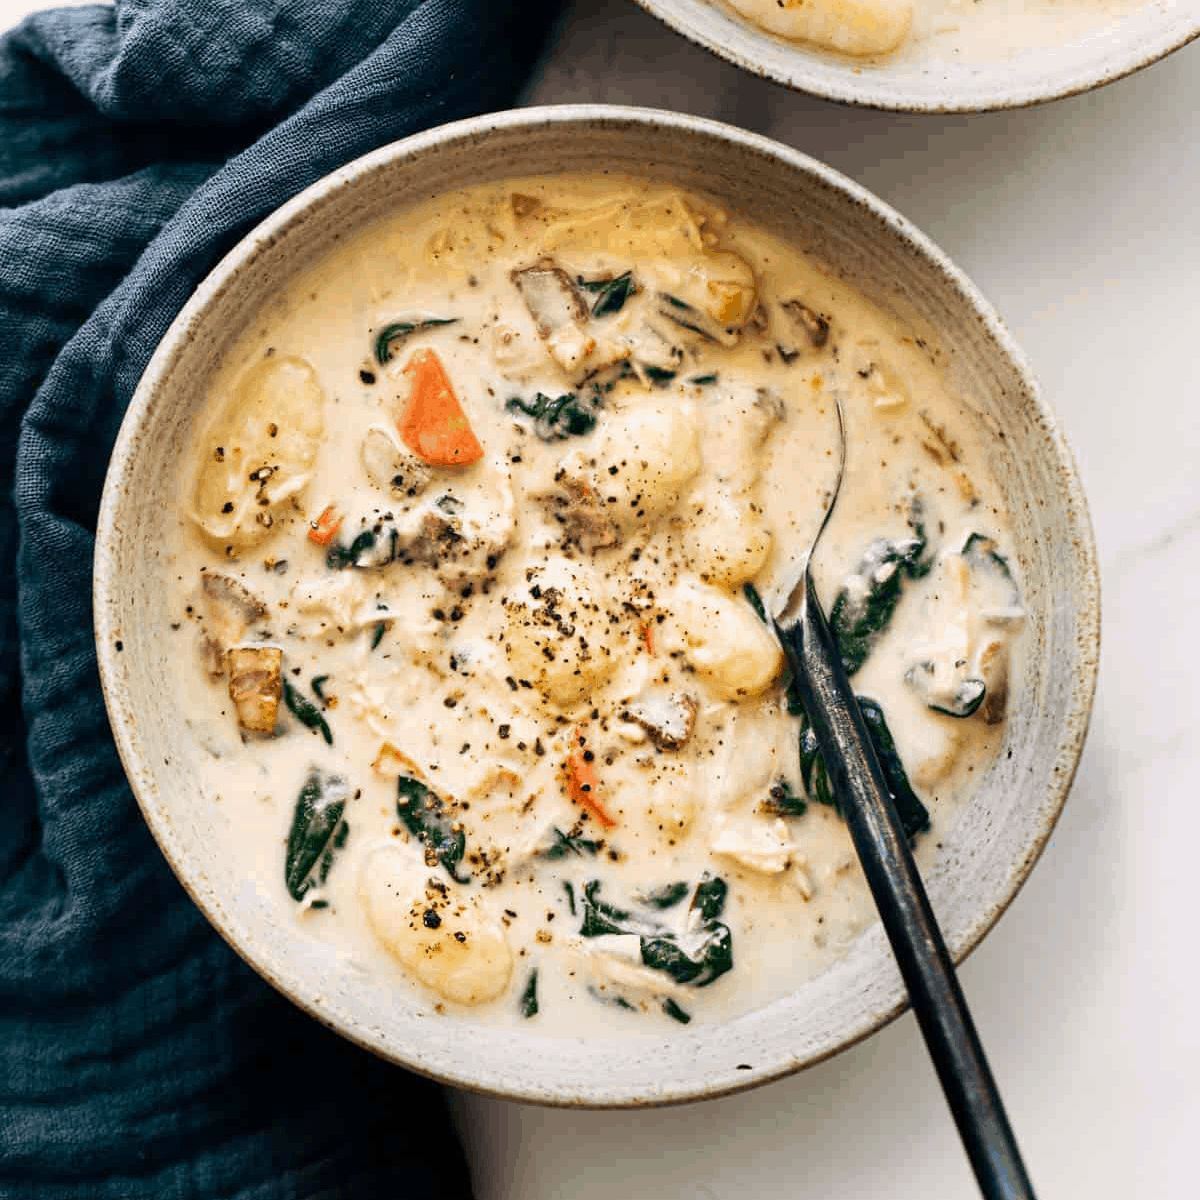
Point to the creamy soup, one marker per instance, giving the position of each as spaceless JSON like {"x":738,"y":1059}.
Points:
{"x":948,"y":30}
{"x":472,"y":564}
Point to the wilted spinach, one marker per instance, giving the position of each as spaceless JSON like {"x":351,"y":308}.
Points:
{"x":529,"y":1000}
{"x":318,"y":832}
{"x":391,"y":336}
{"x":698,"y":956}
{"x":861,"y":613}
{"x":428,"y":817}
{"x":306,"y":712}
{"x":556,"y":417}
{"x":914,"y":816}
{"x":610,"y":294}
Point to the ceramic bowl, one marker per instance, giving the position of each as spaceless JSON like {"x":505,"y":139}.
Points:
{"x":987,"y":853}
{"x":923,"y":77}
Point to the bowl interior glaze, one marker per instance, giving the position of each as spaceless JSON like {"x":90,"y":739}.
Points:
{"x":988,"y":852}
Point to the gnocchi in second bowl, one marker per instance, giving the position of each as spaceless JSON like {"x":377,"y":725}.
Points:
{"x":470,"y":574}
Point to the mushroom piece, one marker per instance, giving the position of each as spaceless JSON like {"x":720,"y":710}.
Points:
{"x":391,"y":466}
{"x":584,"y":520}
{"x":668,"y":719}
{"x":256,"y":685}
{"x":813,"y":325}
{"x":227,"y":610}
{"x":558,"y":312}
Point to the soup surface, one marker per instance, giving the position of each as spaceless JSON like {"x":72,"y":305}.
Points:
{"x":470,"y":567}
{"x":974,"y":31}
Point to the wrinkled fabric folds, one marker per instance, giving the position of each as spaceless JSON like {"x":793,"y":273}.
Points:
{"x":139,"y":1057}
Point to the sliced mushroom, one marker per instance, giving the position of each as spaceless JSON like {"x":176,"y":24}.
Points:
{"x":390,"y":466}
{"x":558,"y":311}
{"x":228,"y":611}
{"x":584,"y":520}
{"x":667,"y":718}
{"x":812,"y":324}
{"x":231,"y":606}
{"x":256,"y":685}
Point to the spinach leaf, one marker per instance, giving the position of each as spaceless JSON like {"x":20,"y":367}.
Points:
{"x":710,"y":897}
{"x":391,"y":336}
{"x":862,"y":610}
{"x":914,"y":816}
{"x":306,"y":712}
{"x":318,"y":686}
{"x":665,"y":897}
{"x":680,"y":313}
{"x":428,"y":817}
{"x":697,"y":957}
{"x":529,"y":1000}
{"x":377,"y":633}
{"x":340,"y":557}
{"x":317,"y":833}
{"x":673,"y":1010}
{"x":611,"y":294}
{"x":980,"y":551}
{"x":600,"y":917}
{"x":700,"y":380}
{"x":781,"y":801}
{"x":562,"y":844}
{"x":660,"y":376}
{"x":556,"y":417}
{"x":707,"y":956}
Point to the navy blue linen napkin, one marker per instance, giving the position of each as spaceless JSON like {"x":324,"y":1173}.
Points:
{"x":139,"y":1057}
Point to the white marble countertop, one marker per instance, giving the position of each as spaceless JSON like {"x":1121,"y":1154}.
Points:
{"x":1077,"y":220}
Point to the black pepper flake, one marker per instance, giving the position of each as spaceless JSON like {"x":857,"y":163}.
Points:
{"x":450,"y":702}
{"x":120,"y":646}
{"x":538,"y":748}
{"x":367,"y":376}
{"x":460,"y":937}
{"x":431,"y":919}
{"x":227,"y":507}
{"x":504,"y":731}
{"x":512,"y":683}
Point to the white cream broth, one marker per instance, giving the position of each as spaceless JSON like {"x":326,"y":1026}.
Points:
{"x":555,"y":640}
{"x":965,"y":31}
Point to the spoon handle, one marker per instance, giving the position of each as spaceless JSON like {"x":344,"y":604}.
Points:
{"x":908,"y":919}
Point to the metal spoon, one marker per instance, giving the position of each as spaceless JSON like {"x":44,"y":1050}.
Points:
{"x":857,"y":781}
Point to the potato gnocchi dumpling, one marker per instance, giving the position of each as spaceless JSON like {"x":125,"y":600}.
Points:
{"x":450,"y":945}
{"x":479,"y":588}
{"x":258,"y":454}
{"x":857,"y":27}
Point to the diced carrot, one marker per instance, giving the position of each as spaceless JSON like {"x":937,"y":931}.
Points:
{"x":323,"y":529}
{"x":434,"y":426}
{"x":583,"y":782}
{"x":647,"y":632}
{"x":392,"y":762}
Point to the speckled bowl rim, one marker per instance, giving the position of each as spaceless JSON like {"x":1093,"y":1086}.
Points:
{"x":841,"y":79}
{"x":106,"y":580}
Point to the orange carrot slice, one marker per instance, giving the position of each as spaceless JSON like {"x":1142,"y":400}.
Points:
{"x":646,"y":628}
{"x":434,"y":426}
{"x":583,"y":782}
{"x":323,"y":529}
